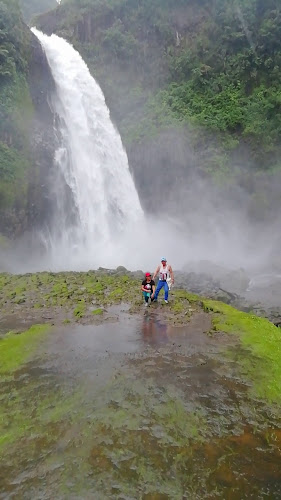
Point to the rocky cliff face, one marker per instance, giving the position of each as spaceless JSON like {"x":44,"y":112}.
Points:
{"x":128,"y":68}
{"x":158,"y":63}
{"x":43,"y":141}
{"x":32,"y":205}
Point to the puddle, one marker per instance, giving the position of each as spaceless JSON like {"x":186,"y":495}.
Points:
{"x":135,"y":409}
{"x":10,"y":323}
{"x":91,"y":340}
{"x":155,"y":331}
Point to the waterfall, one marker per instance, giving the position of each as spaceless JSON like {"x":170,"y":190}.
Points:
{"x":95,"y":199}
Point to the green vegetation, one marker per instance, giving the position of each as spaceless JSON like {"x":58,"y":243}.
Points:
{"x":97,"y":312}
{"x":68,"y":290}
{"x":261,"y":360}
{"x":24,"y":413}
{"x":75,"y":293}
{"x":14,"y":43}
{"x":136,"y":422}
{"x":261,"y":338}
{"x":144,"y":425}
{"x":16,"y":110}
{"x":214,"y":64}
{"x":119,"y":424}
{"x":16,"y":349}
{"x":208,"y":72}
{"x":80,"y":309}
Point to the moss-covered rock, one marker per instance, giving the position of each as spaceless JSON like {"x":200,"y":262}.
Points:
{"x":259,"y":337}
{"x":179,"y":74}
{"x":17,"y":348}
{"x":69,"y":297}
{"x":139,"y":421}
{"x":27,"y":140}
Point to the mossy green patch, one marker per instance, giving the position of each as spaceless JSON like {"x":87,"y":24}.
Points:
{"x":261,"y":338}
{"x":27,"y":412}
{"x":80,"y":309}
{"x":177,"y":307}
{"x":68,"y":290}
{"x":94,"y":286}
{"x":16,"y":349}
{"x":74,"y":292}
{"x":19,"y":300}
{"x":142,"y":425}
{"x":38,"y":306}
{"x":116,"y":294}
{"x":180,"y":304}
{"x":109,"y":428}
{"x":98,"y":311}
{"x":184,"y":295}
{"x":139,"y":419}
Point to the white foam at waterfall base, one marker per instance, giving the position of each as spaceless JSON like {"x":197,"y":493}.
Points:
{"x":97,"y":216}
{"x":95,"y":201}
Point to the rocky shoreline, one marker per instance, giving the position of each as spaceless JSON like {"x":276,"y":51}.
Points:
{"x":92,"y":382}
{"x":249,"y":301}
{"x":104,"y":296}
{"x":77,"y":297}
{"x":47,"y":296}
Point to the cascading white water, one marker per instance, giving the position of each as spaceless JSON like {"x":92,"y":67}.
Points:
{"x":97,"y":217}
{"x":95,"y":196}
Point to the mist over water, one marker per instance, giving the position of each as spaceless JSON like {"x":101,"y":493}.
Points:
{"x":97,"y":217}
{"x":94,"y":194}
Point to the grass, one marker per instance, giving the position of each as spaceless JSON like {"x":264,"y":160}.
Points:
{"x":75,"y":292}
{"x":15,"y":349}
{"x":261,"y":339}
{"x":98,"y":311}
{"x":80,"y":309}
{"x":136,"y":429}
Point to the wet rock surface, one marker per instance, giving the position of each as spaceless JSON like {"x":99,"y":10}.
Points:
{"x":213,"y":276}
{"x":260,"y":294}
{"x":20,"y":220}
{"x":134,"y":406}
{"x":122,"y":401}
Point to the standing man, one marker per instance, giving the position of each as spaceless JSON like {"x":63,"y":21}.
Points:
{"x":148,"y":288}
{"x":164,"y":270}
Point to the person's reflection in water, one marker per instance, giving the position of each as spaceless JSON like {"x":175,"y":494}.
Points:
{"x":154,"y":331}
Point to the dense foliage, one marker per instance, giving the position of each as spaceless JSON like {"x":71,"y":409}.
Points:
{"x":231,"y":79}
{"x":214,"y":63}
{"x":15,"y":106}
{"x":12,"y":40}
{"x":208,"y":71}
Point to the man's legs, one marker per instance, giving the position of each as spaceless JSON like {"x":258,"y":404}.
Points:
{"x":166,"y":288}
{"x":158,"y":288}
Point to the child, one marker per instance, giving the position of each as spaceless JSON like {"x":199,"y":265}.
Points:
{"x":148,"y":288}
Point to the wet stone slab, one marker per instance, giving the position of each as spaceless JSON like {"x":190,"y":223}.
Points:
{"x":136,"y":408}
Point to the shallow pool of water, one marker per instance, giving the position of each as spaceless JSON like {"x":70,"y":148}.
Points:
{"x":136,"y":409}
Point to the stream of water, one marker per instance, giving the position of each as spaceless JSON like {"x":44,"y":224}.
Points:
{"x":95,"y":199}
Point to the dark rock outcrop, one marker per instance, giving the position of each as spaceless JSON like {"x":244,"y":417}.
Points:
{"x":37,"y":140}
{"x":43,"y":141}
